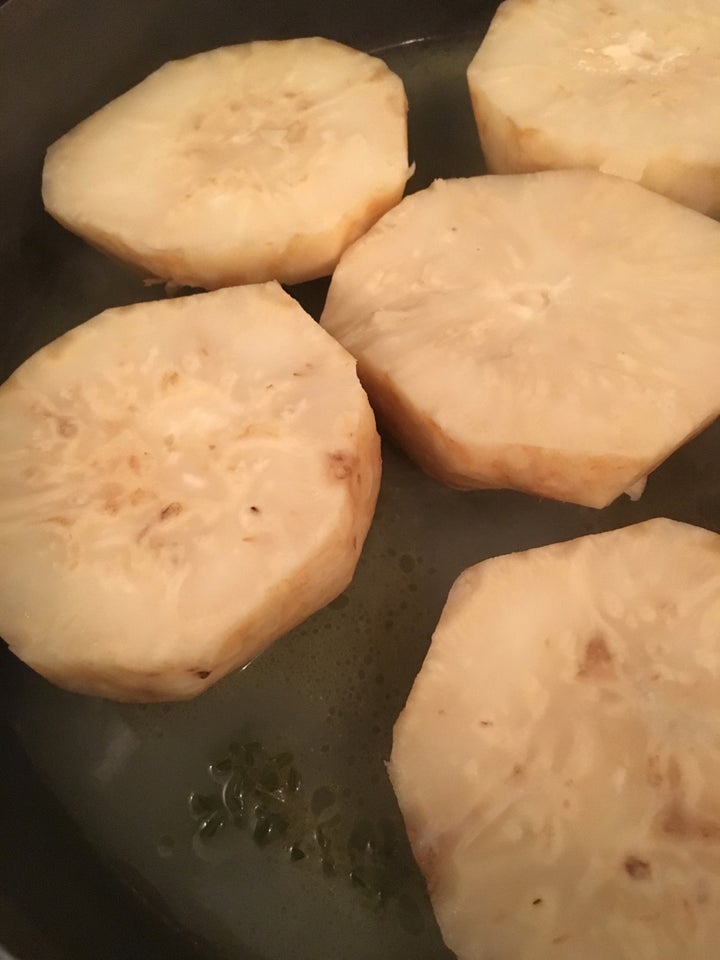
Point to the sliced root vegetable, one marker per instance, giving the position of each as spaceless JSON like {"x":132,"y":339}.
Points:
{"x":558,"y":760}
{"x":181,"y":482}
{"x":555,"y":333}
{"x":629,"y":87}
{"x":243,"y":164}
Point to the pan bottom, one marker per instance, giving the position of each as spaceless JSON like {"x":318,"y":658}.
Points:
{"x":292,"y":845}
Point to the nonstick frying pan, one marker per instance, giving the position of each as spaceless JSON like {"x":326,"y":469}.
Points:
{"x":256,"y":821}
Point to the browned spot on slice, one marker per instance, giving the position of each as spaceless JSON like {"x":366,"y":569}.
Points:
{"x":202,"y":674}
{"x":66,"y":427}
{"x":667,"y":609}
{"x":427,"y":859}
{"x":654,"y":773}
{"x":307,"y":368}
{"x":139,"y":496}
{"x":518,"y":770}
{"x":597,"y":661}
{"x":674,"y":774}
{"x":636,"y":868}
{"x":171,"y":510}
{"x":677,"y":822}
{"x":563,"y":938}
{"x":528,"y":133}
{"x":133,"y":461}
{"x":61,"y":521}
{"x":341,"y":464}
{"x":169,"y":379}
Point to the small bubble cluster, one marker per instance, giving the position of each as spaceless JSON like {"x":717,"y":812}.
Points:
{"x":262,"y":793}
{"x":255,"y":794}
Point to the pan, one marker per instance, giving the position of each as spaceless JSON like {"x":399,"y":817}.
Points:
{"x":257,"y":821}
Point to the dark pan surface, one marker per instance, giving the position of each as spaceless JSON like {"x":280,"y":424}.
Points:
{"x":327,"y":694}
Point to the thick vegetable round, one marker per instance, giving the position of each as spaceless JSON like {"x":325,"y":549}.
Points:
{"x":244,"y":164}
{"x":181,"y":482}
{"x":558,"y":759}
{"x":555,"y":333}
{"x":629,"y":87}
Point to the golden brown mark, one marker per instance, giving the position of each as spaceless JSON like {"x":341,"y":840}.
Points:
{"x":377,"y":74}
{"x":563,"y":938}
{"x":202,"y":674}
{"x":667,"y":609}
{"x":342,"y":464}
{"x":139,"y":496}
{"x":678,"y":822}
{"x":169,"y":441}
{"x":66,"y":427}
{"x":61,"y":521}
{"x":169,"y":379}
{"x":427,"y":859}
{"x":636,"y":868}
{"x":298,"y":99}
{"x":355,"y":543}
{"x":133,"y":461}
{"x":674,"y":774}
{"x":518,"y":770}
{"x":653,"y":773}
{"x":171,"y":510}
{"x":528,"y":133}
{"x":296,"y":132}
{"x":597,"y":661}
